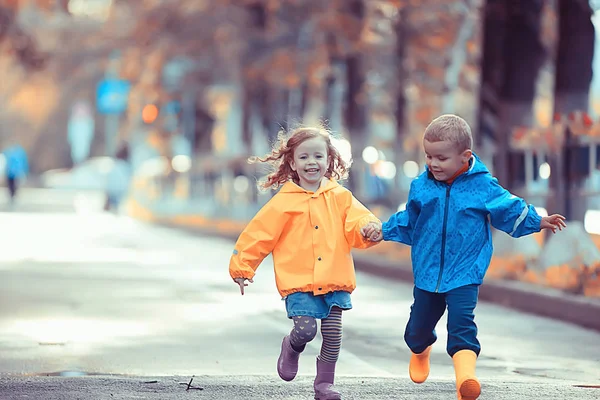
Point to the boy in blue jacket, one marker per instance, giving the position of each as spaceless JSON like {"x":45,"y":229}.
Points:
{"x":447,"y":222}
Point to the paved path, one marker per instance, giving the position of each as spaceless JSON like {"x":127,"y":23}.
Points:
{"x":91,"y":293}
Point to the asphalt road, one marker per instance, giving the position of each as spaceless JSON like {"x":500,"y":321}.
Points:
{"x":94,"y":306}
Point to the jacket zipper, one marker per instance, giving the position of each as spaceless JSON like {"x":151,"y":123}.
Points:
{"x":444,"y":227}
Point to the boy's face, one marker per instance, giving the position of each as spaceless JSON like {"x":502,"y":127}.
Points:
{"x":443,"y":159}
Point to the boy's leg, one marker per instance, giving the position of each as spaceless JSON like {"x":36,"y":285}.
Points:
{"x":463,"y":345}
{"x":331,"y":330}
{"x":305,"y":330}
{"x":425,"y":312}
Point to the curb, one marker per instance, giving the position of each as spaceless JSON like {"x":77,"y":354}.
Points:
{"x":537,"y":300}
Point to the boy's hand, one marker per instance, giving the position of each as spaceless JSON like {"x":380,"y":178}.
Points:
{"x":376,"y":237}
{"x":372,"y":231}
{"x":553,"y":222}
{"x":242,"y":283}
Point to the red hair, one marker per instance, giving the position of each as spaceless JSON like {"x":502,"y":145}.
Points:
{"x":282,"y":155}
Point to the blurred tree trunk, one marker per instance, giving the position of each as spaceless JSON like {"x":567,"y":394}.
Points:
{"x":402,"y":33}
{"x":572,"y":84}
{"x":204,"y":127}
{"x":355,"y":112}
{"x":332,"y":82}
{"x":458,"y":56}
{"x":277,"y":100}
{"x":524,"y":56}
{"x":254,"y":103}
{"x":257,"y":16}
{"x":512,"y":57}
{"x":492,"y":72}
{"x":329,"y":85}
{"x":247,"y":110}
{"x":443,"y":66}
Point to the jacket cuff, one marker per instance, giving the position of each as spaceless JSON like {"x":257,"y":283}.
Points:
{"x":238,"y":273}
{"x":386,"y":230}
{"x":533,"y":221}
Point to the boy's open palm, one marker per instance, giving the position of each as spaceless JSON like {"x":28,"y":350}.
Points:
{"x":553,"y":222}
{"x":242,"y":283}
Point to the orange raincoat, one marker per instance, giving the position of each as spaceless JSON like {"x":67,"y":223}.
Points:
{"x":310,"y":235}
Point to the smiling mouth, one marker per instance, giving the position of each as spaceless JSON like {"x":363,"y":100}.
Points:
{"x":312,"y":170}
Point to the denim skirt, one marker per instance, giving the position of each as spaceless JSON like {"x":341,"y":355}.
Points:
{"x":306,"y":304}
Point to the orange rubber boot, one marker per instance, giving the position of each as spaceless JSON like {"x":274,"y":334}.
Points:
{"x":418,"y":369}
{"x":467,"y":385}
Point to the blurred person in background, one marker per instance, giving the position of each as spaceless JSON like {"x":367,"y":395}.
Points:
{"x":16,"y":168}
{"x":80,"y":132}
{"x":118,"y":179}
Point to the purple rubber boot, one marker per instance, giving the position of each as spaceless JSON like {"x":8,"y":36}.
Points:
{"x":324,"y":382}
{"x":287,"y":364}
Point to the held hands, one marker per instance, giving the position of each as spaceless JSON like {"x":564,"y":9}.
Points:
{"x":553,"y":222}
{"x":372,"y":231}
{"x":242,"y":283}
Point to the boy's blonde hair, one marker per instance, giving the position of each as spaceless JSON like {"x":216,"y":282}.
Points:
{"x":452,"y":128}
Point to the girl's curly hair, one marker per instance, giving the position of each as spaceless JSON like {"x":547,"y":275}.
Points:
{"x":282,"y":155}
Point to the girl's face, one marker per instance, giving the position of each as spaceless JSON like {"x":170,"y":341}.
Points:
{"x":311,"y":162}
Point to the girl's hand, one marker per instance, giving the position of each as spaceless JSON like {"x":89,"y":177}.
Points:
{"x":553,"y":222}
{"x":242,"y":283}
{"x":371,"y":230}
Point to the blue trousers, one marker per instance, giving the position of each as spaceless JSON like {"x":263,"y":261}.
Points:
{"x":428,"y":308}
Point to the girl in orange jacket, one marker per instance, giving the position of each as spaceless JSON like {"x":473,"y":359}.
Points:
{"x":310,"y":226}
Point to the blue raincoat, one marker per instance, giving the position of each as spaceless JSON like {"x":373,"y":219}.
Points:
{"x":448,"y":226}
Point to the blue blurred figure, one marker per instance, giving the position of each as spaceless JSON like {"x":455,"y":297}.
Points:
{"x":16,"y":168}
{"x":119,"y":179}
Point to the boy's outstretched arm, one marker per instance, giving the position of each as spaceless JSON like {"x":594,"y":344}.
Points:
{"x":512,"y":214}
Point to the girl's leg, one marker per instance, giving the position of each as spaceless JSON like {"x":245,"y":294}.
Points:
{"x":331,"y":330}
{"x":305,"y":330}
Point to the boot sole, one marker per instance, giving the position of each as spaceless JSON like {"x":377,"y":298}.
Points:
{"x":470,"y":389}
{"x":418,"y":381}
{"x":286,"y":378}
{"x":333,"y":397}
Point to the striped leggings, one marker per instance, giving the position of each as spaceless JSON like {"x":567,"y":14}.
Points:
{"x":305,"y":330}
